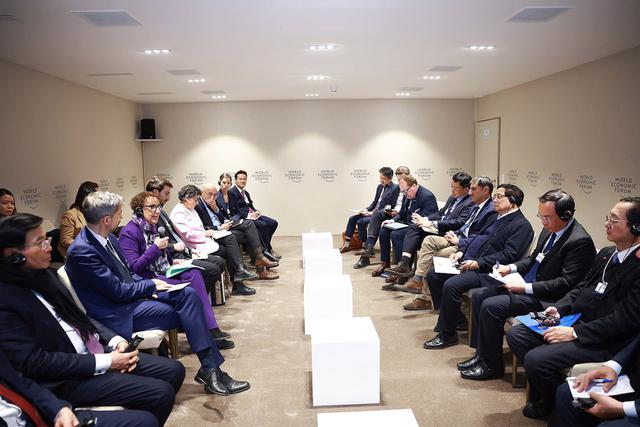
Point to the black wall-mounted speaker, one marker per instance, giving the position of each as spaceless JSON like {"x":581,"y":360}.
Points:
{"x":147,"y":129}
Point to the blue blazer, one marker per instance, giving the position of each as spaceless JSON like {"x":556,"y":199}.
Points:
{"x":237,"y":205}
{"x":225,"y":208}
{"x":424,"y":200}
{"x":388,"y":198}
{"x":103,"y":292}
{"x":480,"y":224}
{"x":456,"y":217}
{"x":203,"y":212}
{"x":628,"y":358}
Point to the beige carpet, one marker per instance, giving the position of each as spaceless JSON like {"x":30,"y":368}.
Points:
{"x":273,"y":353}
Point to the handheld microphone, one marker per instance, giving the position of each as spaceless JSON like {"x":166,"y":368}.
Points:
{"x":161,"y":231}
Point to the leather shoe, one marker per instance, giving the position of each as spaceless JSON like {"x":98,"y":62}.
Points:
{"x":402,"y":269}
{"x":275,"y":254}
{"x":268,"y":255}
{"x":362,"y":263}
{"x":345,"y":248}
{"x":411,"y":287}
{"x":391,"y":278}
{"x":417,"y":305}
{"x":225,"y":344}
{"x":536,"y":410}
{"x":244,"y":274}
{"x":266,"y":263}
{"x":469,"y":363}
{"x":389,"y":287}
{"x":460,"y":327}
{"x":481,"y":372}
{"x":440,"y":342}
{"x":264,"y":274}
{"x":218,"y":334}
{"x":212,"y":384}
{"x":368,"y":251}
{"x":234,"y":386}
{"x":378,"y":271}
{"x":240,"y":289}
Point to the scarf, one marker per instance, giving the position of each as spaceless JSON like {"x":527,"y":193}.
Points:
{"x":159,"y":265}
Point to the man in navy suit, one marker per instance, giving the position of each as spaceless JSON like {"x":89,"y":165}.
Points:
{"x":51,"y":341}
{"x":386,"y":195}
{"x":506,"y":241}
{"x":451,"y":217}
{"x":417,"y":199}
{"x":125,"y":302}
{"x":241,"y":206}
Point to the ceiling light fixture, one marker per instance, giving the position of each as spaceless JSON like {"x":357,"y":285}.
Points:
{"x":311,"y":95}
{"x":316,"y":77}
{"x":482,"y":47}
{"x":219,"y":97}
{"x":403,"y":94}
{"x":436,"y":77}
{"x":196,"y":80}
{"x":156,"y":51}
{"x":323,"y":47}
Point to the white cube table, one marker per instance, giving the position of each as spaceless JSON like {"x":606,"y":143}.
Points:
{"x":322,"y":262}
{"x":345,"y":362}
{"x":386,"y":418}
{"x":316,"y":241}
{"x":327,"y":296}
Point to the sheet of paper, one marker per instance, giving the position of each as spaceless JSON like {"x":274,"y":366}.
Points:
{"x":219,"y":234}
{"x":431,"y":229}
{"x":178,"y":287}
{"x":623,"y":386}
{"x":444,"y":265}
{"x":509,"y":278}
{"x":395,"y":225}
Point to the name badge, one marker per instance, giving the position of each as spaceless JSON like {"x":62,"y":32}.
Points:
{"x":540,"y":257}
{"x":601,"y":287}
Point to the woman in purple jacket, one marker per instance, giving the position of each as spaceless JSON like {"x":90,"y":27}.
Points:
{"x":146,"y":253}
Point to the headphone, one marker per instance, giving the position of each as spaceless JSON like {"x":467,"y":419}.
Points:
{"x":16,"y":260}
{"x":565,"y":207}
{"x":635,"y":229}
{"x":138,"y":211}
{"x":512,"y":200}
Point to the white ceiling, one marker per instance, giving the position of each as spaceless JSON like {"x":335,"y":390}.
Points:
{"x":256,"y":49}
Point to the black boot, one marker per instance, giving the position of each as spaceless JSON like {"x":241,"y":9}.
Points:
{"x":362,"y":263}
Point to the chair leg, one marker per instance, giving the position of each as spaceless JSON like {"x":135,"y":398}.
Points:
{"x":470,"y":323}
{"x":173,"y":343}
{"x":514,"y":370}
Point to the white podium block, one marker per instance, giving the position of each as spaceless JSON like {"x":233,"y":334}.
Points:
{"x":345,"y":362}
{"x":322,"y":262}
{"x":386,"y":418}
{"x":327,"y":297}
{"x":316,"y":241}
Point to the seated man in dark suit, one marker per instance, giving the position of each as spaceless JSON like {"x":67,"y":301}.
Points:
{"x":51,"y":341}
{"x":242,"y":207}
{"x":244,"y":231}
{"x":505,"y":241}
{"x":386,"y":195}
{"x":606,"y":408}
{"x":563,"y":255}
{"x":451,"y":217}
{"x":416,"y":199}
{"x":124,"y":302}
{"x":608,"y":300}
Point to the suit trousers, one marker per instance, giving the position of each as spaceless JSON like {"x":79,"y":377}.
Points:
{"x":449,"y":297}
{"x":374,"y":228}
{"x":362,"y":222}
{"x":248,"y":233}
{"x":194,"y":277}
{"x":151,"y":387}
{"x":544,"y":362}
{"x":172,"y":310}
{"x":431,"y":246}
{"x":492,"y":307}
{"x":413,"y":239}
{"x":213,"y":267}
{"x":266,"y":227}
{"x":387,"y":238}
{"x":230,"y":251}
{"x":125,"y":418}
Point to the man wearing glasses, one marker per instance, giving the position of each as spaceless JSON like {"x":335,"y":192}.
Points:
{"x":563,"y":255}
{"x":608,"y":300}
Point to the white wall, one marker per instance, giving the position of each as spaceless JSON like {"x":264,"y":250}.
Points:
{"x":309,"y":161}
{"x":578,"y":130}
{"x":56,"y":134}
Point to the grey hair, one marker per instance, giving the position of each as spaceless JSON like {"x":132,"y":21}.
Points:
{"x":403,"y":169}
{"x":99,"y":204}
{"x":483,"y":181}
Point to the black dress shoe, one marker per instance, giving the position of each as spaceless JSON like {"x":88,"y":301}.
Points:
{"x":211,"y":382}
{"x":225,"y":344}
{"x":275,"y":254}
{"x":460,"y":327}
{"x":481,"y":372}
{"x":368,"y":251}
{"x":234,"y":386}
{"x":402,"y":269}
{"x":217,"y":334}
{"x":362,"y":263}
{"x":240,"y":289}
{"x":244,"y":274}
{"x":536,"y":410}
{"x":440,"y":342}
{"x":389,"y":287}
{"x":268,"y":255}
{"x":469,"y":363}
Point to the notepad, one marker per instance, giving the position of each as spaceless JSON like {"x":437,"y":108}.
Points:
{"x":536,"y":327}
{"x":179,"y":286}
{"x":444,"y":265}
{"x":395,"y":225}
{"x":509,"y":278}
{"x":176,"y":269}
{"x":623,"y":386}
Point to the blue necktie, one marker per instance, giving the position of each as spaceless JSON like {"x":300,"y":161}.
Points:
{"x":530,"y":277}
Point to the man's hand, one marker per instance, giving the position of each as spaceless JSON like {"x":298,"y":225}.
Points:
{"x":503,"y":270}
{"x":178,"y":247}
{"x":161,"y":285}
{"x":209,"y":233}
{"x":552,"y":311}
{"x":161,"y":242}
{"x":451,"y":237}
{"x":514,"y":288}
{"x":226,"y":225}
{"x":557,"y":334}
{"x":456,"y":256}
{"x":124,"y":362}
{"x":121,"y":347}
{"x":66,"y":418}
{"x":392,"y":213}
{"x":469,"y":265}
{"x":386,"y":221}
{"x":583,"y":382}
{"x":606,"y":407}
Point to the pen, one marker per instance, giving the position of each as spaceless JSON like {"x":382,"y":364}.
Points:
{"x":497,"y":264}
{"x":601,"y":381}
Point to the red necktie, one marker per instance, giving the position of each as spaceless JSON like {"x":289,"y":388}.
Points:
{"x":21,"y":402}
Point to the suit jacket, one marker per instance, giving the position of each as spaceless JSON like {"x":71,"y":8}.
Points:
{"x":225,"y":208}
{"x":507,"y":242}
{"x":238,"y":205}
{"x":457,"y":217}
{"x":203,"y":212}
{"x":563,"y":267}
{"x":135,"y":250}
{"x":104,"y":292}
{"x":480,"y":224}
{"x":36,"y":344}
{"x":174,"y":236}
{"x":424,"y":200}
{"x":70,"y":225}
{"x":388,"y":198}
{"x":629,"y":359}
{"x":613,"y":317}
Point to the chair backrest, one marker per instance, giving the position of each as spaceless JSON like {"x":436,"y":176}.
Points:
{"x":441,"y":204}
{"x":55,"y":239}
{"x":64,"y":278}
{"x":532,"y":246}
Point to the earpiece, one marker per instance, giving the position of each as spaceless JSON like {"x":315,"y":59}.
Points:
{"x":16,"y":259}
{"x":635,"y":229}
{"x":138,"y":212}
{"x":565,"y":207}
{"x":511,"y":199}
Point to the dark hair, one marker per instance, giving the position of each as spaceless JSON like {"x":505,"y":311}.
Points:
{"x":462,"y":178}
{"x":5,"y":192}
{"x":386,"y":171}
{"x":243,"y":172}
{"x":137,"y":201}
{"x":410,"y":180}
{"x":223,"y":176}
{"x":513,"y":193}
{"x":484,"y":181}
{"x":188,"y":191}
{"x":14,"y":229}
{"x":565,"y":206}
{"x":633,"y":214}
{"x":157,"y":183}
{"x":84,"y":190}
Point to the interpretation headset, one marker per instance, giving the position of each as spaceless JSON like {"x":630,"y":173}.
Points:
{"x":16,"y":259}
{"x":512,"y":200}
{"x":138,"y":211}
{"x":565,"y":207}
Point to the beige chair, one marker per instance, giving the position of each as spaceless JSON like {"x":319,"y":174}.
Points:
{"x":152,"y":338}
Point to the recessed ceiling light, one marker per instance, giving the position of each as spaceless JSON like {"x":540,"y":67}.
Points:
{"x":311,"y":95}
{"x":323,"y":47}
{"x":403,"y":94}
{"x":481,"y":47}
{"x":316,"y":77}
{"x":196,"y":80}
{"x":156,"y":51}
{"x":219,"y":97}
{"x":433,"y":77}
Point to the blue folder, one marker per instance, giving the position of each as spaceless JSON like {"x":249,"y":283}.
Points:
{"x":535,"y":327}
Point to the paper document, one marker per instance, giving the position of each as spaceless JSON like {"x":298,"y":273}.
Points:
{"x":176,"y":269}
{"x":623,"y":386}
{"x":509,"y":278}
{"x":219,"y":234}
{"x":178,"y":287}
{"x":430,"y":229}
{"x":395,"y":225}
{"x":444,"y":265}
{"x":536,"y":327}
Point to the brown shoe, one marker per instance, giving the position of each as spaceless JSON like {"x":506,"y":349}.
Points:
{"x":268,"y":275}
{"x":378,"y":271}
{"x":417,"y":305}
{"x":392,"y":278}
{"x":345,"y":248}
{"x":264,"y":262}
{"x":411,"y":287}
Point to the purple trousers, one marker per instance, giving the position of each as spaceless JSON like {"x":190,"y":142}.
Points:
{"x":194,"y":276}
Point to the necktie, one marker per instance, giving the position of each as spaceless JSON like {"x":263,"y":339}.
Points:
{"x":614,"y":258}
{"x":26,"y":407}
{"x":120,"y":265}
{"x":92,"y":343}
{"x":530,"y":277}
{"x":380,"y":198}
{"x":246,"y":200}
{"x":465,"y":228}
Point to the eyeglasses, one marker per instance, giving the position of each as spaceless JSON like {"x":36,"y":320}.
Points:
{"x":44,"y":245}
{"x":498,"y":196}
{"x":609,"y":220}
{"x":544,"y":218}
{"x":154,"y":208}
